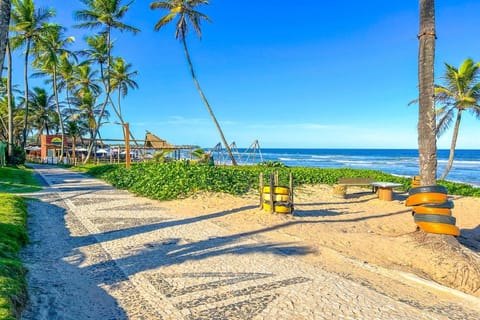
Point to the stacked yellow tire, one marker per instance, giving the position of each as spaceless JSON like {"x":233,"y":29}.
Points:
{"x":279,"y":198}
{"x":432,"y":210}
{"x":415,"y":181}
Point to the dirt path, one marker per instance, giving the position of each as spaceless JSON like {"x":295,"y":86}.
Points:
{"x":100,"y":253}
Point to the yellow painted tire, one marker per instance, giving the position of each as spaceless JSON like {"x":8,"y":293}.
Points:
{"x":427,"y":197}
{"x":432,"y":210}
{"x":276,"y":197}
{"x":278,"y":208}
{"x":277,"y":190}
{"x":439,"y":228}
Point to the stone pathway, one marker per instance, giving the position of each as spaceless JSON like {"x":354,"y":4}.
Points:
{"x":100,"y":253}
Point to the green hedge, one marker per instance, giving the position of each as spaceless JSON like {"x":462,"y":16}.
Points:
{"x":165,"y":181}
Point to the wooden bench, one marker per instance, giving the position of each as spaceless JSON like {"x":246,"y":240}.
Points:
{"x":356,"y":182}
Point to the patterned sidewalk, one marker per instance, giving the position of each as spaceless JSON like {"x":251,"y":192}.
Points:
{"x":100,"y":253}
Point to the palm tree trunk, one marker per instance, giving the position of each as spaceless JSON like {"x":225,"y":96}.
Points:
{"x":453,"y":145}
{"x":118,"y":112}
{"x":55,"y":94}
{"x":4,"y":23}
{"x":25,"y":79}
{"x":10,"y":103}
{"x":427,"y":143}
{"x":205,"y":101}
{"x":106,"y":84}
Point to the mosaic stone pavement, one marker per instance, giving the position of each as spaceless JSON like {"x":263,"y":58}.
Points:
{"x":113,"y":255}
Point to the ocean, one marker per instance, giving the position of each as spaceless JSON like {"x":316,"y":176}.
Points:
{"x":404,"y":162}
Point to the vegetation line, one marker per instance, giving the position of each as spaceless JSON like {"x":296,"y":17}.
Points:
{"x":180,"y":179}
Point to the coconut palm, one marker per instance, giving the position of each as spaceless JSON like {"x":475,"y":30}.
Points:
{"x":47,"y":59}
{"x":65,"y":76}
{"x":28,"y":24}
{"x":5,"y":6}
{"x":188,"y":17}
{"x":427,"y":144}
{"x":85,"y":79}
{"x":121,"y":80}
{"x":42,"y":106}
{"x":104,"y":14}
{"x":461,"y":92}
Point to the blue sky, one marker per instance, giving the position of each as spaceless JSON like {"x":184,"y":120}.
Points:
{"x":305,"y":73}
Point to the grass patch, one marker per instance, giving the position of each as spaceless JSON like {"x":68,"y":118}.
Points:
{"x":13,"y":235}
{"x":166,"y":181}
{"x":18,"y":180}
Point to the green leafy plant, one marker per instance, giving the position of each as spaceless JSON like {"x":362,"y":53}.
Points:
{"x":179,"y":179}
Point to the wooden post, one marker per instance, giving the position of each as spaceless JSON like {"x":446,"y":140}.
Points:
{"x":291,"y":189}
{"x":276,"y":179}
{"x":260,"y":186}
{"x":272,"y":187}
{"x":127,"y":145}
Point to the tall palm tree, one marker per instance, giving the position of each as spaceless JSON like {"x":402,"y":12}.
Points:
{"x":65,"y":75}
{"x":121,"y":80}
{"x":461,"y":92}
{"x":5,"y":6}
{"x":28,"y":23}
{"x":104,"y":14}
{"x":187,"y":16}
{"x":427,"y":143}
{"x":47,"y":59}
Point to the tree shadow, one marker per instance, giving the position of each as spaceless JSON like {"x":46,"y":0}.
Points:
{"x":470,"y":238}
{"x":52,"y":280}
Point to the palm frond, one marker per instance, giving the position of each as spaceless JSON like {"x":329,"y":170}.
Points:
{"x":444,"y":122}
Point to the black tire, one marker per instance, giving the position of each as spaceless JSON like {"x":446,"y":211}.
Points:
{"x":435,"y":218}
{"x":425,"y":189}
{"x":445,"y":205}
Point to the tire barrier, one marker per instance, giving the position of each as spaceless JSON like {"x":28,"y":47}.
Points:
{"x":438,"y":218}
{"x":432,"y":210}
{"x":415,"y":181}
{"x":277,"y":190}
{"x":428,"y":197}
{"x":439,"y":228}
{"x":425,"y":189}
{"x":278,"y":207}
{"x":275,"y":198}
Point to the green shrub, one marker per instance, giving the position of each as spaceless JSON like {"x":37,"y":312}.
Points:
{"x":179,"y":179}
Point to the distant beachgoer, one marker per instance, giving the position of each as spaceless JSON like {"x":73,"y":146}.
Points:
{"x":3,"y":148}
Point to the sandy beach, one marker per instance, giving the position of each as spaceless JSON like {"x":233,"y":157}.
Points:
{"x":358,"y":237}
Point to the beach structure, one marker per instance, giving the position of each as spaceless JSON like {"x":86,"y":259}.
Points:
{"x":250,"y":156}
{"x":157,"y":144}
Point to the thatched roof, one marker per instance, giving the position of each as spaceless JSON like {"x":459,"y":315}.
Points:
{"x":152,"y":141}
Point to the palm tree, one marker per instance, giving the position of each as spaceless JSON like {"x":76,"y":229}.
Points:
{"x":461,"y":92}
{"x":105,"y":14}
{"x":427,"y":143}
{"x":187,"y":16}
{"x":42,"y":107}
{"x":72,"y":128}
{"x":47,"y":59}
{"x":121,"y":80}
{"x":28,"y":24}
{"x":5,"y":6}
{"x":85,"y":79}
